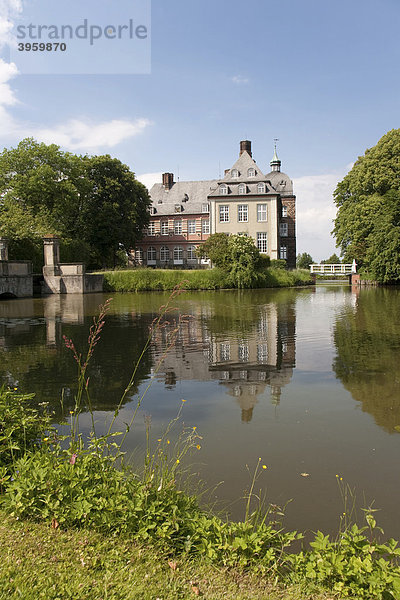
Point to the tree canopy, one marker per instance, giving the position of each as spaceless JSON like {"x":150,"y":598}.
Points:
{"x":332,"y":260}
{"x":304,"y":260}
{"x":94,"y":204}
{"x":367,"y":225}
{"x":236,"y":255}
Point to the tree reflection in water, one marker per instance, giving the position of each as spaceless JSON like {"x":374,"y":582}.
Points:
{"x":367,"y":340}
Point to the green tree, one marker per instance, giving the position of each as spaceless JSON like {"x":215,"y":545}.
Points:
{"x":332,"y":260}
{"x":94,"y":204}
{"x":216,"y":249}
{"x":114,"y":210}
{"x":304,"y":260}
{"x":236,"y":255}
{"x":368,"y":201}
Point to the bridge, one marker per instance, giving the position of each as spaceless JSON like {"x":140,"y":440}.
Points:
{"x":335,"y":269}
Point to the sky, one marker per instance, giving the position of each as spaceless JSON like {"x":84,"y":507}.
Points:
{"x":320,"y":76}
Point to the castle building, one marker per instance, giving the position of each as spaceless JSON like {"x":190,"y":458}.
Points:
{"x":245,"y":201}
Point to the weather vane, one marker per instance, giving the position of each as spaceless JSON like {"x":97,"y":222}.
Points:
{"x":275,"y":140}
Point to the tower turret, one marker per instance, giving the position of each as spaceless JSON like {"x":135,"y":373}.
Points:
{"x":275,"y":162}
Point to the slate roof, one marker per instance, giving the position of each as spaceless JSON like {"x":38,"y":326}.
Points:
{"x":281,"y":183}
{"x":189,"y":195}
{"x":233,"y":189}
{"x":243,"y":164}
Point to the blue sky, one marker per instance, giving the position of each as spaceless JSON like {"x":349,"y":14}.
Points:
{"x":321,"y":76}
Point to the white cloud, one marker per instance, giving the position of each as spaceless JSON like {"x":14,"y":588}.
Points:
{"x":88,"y":136}
{"x":82,"y":134}
{"x":9,"y":9}
{"x":239,"y":80}
{"x":149,"y":179}
{"x":315,"y":213}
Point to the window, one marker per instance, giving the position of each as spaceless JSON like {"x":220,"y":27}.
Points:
{"x":251,"y":172}
{"x":223,"y":189}
{"x":205,"y":208}
{"x":261,"y":213}
{"x":151,"y":254}
{"x":243,"y":210}
{"x":178,"y":227}
{"x":205,"y":226}
{"x":284,"y":211}
{"x":235,"y":173}
{"x":242,"y":188}
{"x":151,"y":230}
{"x":152,"y":210}
{"x":164,"y":254}
{"x":192,"y":226}
{"x":224,"y":213}
{"x":243,"y":353}
{"x":178,"y":253}
{"x":164,"y":227}
{"x":139,"y":255}
{"x":262,"y":353}
{"x":178,"y":208}
{"x":191,"y":254}
{"x":283,"y":229}
{"x":261,"y":188}
{"x":224,"y":351}
{"x":283,"y":252}
{"x":262,"y":242}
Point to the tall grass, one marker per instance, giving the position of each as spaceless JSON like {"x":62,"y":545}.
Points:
{"x":138,"y":280}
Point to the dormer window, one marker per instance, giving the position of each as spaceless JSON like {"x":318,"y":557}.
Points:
{"x":205,"y":208}
{"x":152,"y":210}
{"x":178,"y":208}
{"x":242,"y":188}
{"x":223,"y":189}
{"x":251,"y":172}
{"x":261,"y":188}
{"x":235,"y":173}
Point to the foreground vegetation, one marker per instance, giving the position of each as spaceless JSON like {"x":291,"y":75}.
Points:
{"x":140,"y":280}
{"x":73,"y":501}
{"x":40,"y":562}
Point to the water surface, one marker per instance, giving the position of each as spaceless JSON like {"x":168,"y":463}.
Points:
{"x":308,"y":380}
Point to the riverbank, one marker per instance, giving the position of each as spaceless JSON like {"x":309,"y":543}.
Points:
{"x":140,"y":280}
{"x":40,"y":562}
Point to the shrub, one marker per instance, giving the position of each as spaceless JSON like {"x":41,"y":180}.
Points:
{"x":278,"y":263}
{"x":22,"y":427}
{"x":352,"y":566}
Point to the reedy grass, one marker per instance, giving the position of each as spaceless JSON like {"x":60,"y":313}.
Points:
{"x":137,"y":280}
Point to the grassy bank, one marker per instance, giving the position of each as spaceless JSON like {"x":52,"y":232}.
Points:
{"x":138,"y":280}
{"x":40,"y":562}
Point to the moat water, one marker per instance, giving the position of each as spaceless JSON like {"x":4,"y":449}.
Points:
{"x":308,"y":380}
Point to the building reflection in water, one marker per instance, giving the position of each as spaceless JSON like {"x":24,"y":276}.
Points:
{"x":248,"y":363}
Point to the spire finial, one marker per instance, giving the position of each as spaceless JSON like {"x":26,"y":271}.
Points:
{"x":275,"y":162}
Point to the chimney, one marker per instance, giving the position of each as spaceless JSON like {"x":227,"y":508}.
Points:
{"x":245,"y":146}
{"x":168,"y":180}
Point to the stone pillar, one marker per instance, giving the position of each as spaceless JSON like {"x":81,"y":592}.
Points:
{"x":51,"y":251}
{"x":3,"y":248}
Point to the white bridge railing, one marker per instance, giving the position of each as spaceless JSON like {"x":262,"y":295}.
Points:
{"x":339,"y":269}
